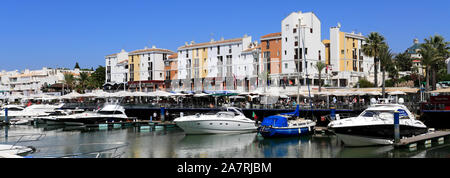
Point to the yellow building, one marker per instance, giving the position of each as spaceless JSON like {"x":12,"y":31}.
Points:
{"x":146,"y":68}
{"x":345,"y":58}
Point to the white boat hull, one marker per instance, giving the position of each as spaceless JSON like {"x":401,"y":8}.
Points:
{"x":354,"y":140}
{"x":216,"y":127}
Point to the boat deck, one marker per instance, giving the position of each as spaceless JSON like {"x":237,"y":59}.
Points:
{"x":437,"y":137}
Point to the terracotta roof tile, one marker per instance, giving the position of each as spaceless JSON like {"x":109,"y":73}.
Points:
{"x":272,"y":35}
{"x":173,"y":56}
{"x":251,"y":49}
{"x":151,"y":50}
{"x":112,"y":55}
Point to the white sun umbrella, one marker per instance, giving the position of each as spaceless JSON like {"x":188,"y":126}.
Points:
{"x":358,"y":93}
{"x":324,"y":93}
{"x":273,"y":92}
{"x":71,"y":95}
{"x":119,"y":94}
{"x":43,"y":96}
{"x":374,"y":93}
{"x":237,"y":97}
{"x":89,"y":95}
{"x":340,"y":93}
{"x":162,"y":93}
{"x":397,"y":93}
{"x":92,"y":94}
{"x":138,"y":94}
{"x":201,"y":95}
{"x":101,"y":94}
{"x":243,"y":93}
{"x":258,"y":91}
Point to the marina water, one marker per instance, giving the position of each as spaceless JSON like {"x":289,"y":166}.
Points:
{"x":133,"y":142}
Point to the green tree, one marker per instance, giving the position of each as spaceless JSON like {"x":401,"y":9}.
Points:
{"x":77,"y":66}
{"x":364,"y":83}
{"x":83,"y":81}
{"x":97,"y":78}
{"x":69,"y":80}
{"x":441,"y":49}
{"x":374,"y":43}
{"x":428,"y":54}
{"x":385,"y":56}
{"x":403,"y":61}
{"x":320,"y":66}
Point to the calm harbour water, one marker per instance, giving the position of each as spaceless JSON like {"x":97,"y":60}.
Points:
{"x":173,"y":143}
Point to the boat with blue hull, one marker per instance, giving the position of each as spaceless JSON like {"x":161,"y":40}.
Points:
{"x":286,"y":125}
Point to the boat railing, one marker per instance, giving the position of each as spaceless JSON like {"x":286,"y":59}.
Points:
{"x":19,"y":139}
{"x":114,"y":151}
{"x":22,"y":138}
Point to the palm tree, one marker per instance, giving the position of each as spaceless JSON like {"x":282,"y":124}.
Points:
{"x":385,"y":56}
{"x":69,"y":80}
{"x":320,"y":66}
{"x":442,"y":53}
{"x":374,"y":43}
{"x":83,"y":80}
{"x":428,"y":54}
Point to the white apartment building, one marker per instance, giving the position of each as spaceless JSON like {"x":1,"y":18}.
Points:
{"x":30,"y":82}
{"x":301,"y":47}
{"x":214,"y":65}
{"x":117,"y":67}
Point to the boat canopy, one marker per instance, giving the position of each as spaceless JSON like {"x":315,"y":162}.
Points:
{"x":275,"y":121}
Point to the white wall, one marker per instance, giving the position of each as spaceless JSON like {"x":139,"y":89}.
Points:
{"x":312,"y":41}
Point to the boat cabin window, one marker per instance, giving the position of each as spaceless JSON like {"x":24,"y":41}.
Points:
{"x":57,"y":114}
{"x":226,"y":114}
{"x":383,"y":114}
{"x":15,"y":109}
{"x":109,"y":112}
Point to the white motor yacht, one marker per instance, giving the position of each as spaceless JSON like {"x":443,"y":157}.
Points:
{"x":21,"y":115}
{"x":108,"y":113}
{"x":375,"y":126}
{"x":53,"y":118}
{"x":229,"y":120}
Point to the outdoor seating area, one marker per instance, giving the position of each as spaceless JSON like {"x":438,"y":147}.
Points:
{"x":354,"y":98}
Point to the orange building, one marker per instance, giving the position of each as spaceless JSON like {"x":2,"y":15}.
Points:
{"x":271,"y":52}
{"x":171,"y":70}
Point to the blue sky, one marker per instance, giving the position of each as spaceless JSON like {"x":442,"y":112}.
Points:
{"x":58,"y":33}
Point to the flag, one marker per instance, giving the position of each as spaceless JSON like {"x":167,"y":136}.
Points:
{"x":254,"y":115}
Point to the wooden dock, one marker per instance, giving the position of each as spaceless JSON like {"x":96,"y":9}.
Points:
{"x":426,"y":139}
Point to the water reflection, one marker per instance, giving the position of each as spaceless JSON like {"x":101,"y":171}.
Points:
{"x":366,"y":152}
{"x":218,"y":145}
{"x":173,"y":143}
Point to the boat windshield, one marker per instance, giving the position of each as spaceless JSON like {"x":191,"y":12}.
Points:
{"x":236,"y":111}
{"x":14,"y":109}
{"x":109,"y":112}
{"x":382,"y":114}
{"x":57,"y":113}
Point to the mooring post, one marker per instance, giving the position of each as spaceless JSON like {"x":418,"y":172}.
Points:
{"x":396,"y":127}
{"x":6,"y":116}
{"x":162,"y":114}
{"x":333,"y":113}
